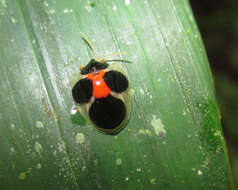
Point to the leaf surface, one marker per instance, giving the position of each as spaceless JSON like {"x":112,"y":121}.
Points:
{"x":173,"y":139}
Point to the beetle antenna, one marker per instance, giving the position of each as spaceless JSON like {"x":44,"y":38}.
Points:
{"x":120,"y":60}
{"x":116,"y":53}
{"x":85,"y":38}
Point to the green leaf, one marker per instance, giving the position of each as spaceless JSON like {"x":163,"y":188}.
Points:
{"x":173,"y":139}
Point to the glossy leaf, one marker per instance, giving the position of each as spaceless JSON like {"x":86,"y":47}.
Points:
{"x":173,"y":139}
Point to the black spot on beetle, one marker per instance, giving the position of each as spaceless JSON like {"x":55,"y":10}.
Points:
{"x":82,"y":91}
{"x":107,"y":113}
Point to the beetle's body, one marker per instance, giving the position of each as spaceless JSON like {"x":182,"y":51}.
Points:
{"x":102,"y":96}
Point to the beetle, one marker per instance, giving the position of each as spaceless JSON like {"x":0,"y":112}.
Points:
{"x":102,"y":94}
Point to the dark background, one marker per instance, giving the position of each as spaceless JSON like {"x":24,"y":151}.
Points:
{"x":218,"y":24}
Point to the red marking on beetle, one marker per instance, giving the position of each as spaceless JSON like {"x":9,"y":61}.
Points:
{"x":100,"y":88}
